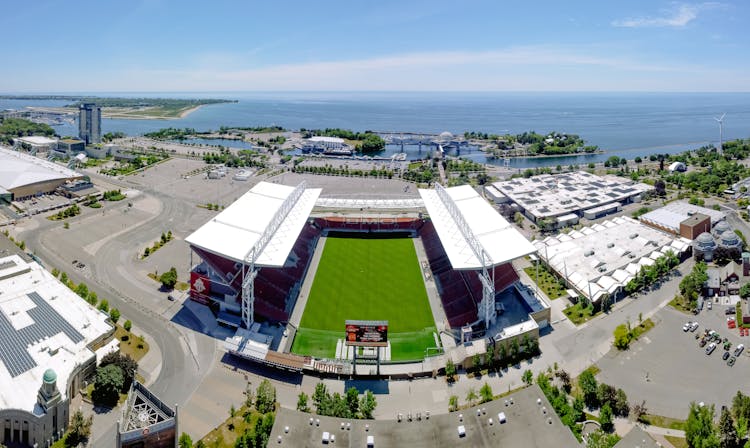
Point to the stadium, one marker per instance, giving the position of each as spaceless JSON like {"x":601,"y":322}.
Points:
{"x":320,"y":283}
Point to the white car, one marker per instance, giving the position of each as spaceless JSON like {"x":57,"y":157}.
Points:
{"x":709,"y":305}
{"x":738,"y":350}
{"x":686,"y":327}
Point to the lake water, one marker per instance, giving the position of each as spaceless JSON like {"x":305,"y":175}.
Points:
{"x":623,"y":124}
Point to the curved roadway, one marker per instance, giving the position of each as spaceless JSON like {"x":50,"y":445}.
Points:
{"x":186,"y":356}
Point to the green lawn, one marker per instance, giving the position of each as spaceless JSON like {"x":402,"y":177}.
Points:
{"x":550,"y":284}
{"x":367,"y":279}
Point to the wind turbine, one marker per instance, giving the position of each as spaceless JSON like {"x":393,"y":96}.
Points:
{"x":721,"y":132}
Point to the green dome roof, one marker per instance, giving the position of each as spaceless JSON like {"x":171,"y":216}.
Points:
{"x":49,"y":376}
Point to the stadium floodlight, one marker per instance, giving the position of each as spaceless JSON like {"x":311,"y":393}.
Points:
{"x":721,"y":131}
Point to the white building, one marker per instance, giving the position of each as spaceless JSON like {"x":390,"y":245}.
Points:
{"x":550,"y":196}
{"x":603,"y":258}
{"x":48,"y":336}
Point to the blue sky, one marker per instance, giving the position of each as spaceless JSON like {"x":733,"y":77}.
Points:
{"x":470,"y":45}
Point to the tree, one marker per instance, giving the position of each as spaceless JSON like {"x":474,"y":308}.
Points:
{"x":127,"y":325}
{"x":302,"y":402}
{"x":79,"y":429}
{"x":564,"y":377}
{"x":605,"y":418}
{"x":103,"y":305}
{"x":485,"y":392}
{"x":518,"y":219}
{"x":319,"y":396}
{"x":699,"y":428}
{"x":185,"y":441}
{"x":114,"y":314}
{"x":527,"y":377}
{"x":450,"y":370}
{"x":606,"y":394}
{"x":727,"y":431}
{"x":578,"y":409}
{"x":471,"y":396}
{"x":660,"y":187}
{"x":639,"y":411}
{"x":265,"y":397}
{"x":745,"y":291}
{"x":107,"y":385}
{"x":453,"y":403}
{"x":352,"y":401}
{"x":169,"y":279}
{"x":82,"y":290}
{"x":127,"y":365}
{"x":600,"y":439}
{"x":367,"y":404}
{"x":588,"y":385}
{"x":622,"y":337}
{"x":621,"y":405}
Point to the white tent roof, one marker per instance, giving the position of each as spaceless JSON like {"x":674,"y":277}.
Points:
{"x":18,"y":169}
{"x":233,"y":232}
{"x":497,"y":236}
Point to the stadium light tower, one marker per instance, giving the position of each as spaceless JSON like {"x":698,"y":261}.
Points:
{"x":721,"y":132}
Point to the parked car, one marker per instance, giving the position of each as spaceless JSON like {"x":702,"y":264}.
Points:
{"x":709,"y":305}
{"x":710,"y":349}
{"x":730,"y":310}
{"x":725,"y":356}
{"x":686,"y":327}
{"x":727,"y":345}
{"x":170,"y":298}
{"x":702,"y":343}
{"x":731,"y":361}
{"x":738,"y":350}
{"x":694,"y":326}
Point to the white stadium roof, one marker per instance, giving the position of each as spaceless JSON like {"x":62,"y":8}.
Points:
{"x":499,"y":239}
{"x":237,"y":229}
{"x":43,"y":325}
{"x":18,"y":169}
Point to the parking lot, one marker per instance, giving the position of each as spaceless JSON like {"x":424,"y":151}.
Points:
{"x":668,"y":369}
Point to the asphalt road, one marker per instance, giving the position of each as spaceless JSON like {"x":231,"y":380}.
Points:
{"x":186,"y":356}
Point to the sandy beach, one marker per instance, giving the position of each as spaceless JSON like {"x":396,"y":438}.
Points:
{"x":125,"y":113}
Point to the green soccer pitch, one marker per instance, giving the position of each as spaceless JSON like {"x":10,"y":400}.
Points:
{"x":367,"y":279}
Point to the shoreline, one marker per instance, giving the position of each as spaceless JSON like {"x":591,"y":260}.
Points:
{"x":118,"y":114}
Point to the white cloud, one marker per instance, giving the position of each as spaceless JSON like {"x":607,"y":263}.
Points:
{"x":676,"y":17}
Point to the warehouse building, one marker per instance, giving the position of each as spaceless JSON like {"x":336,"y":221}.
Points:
{"x":23,"y":175}
{"x":49,"y":340}
{"x":549,"y":197}
{"x":603,"y":258}
{"x":679,"y":218}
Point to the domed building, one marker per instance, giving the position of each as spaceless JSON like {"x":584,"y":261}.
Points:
{"x":730,"y":240}
{"x":721,"y":227}
{"x":704,"y":246}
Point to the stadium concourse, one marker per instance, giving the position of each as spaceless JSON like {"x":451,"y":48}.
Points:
{"x":255,"y":255}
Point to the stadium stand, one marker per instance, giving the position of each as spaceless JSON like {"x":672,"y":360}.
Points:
{"x":276,"y":289}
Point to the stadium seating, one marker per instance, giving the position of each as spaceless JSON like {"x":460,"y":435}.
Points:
{"x":460,"y":291}
{"x":274,"y":287}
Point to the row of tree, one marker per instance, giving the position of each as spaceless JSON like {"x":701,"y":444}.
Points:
{"x":89,"y":296}
{"x":732,"y":430}
{"x":343,"y":171}
{"x":349,"y":405}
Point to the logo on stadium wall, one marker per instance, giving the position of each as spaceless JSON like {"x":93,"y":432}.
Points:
{"x":198,"y":286}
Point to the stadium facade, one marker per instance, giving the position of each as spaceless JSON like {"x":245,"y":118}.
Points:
{"x":49,"y":341}
{"x":254,"y":256}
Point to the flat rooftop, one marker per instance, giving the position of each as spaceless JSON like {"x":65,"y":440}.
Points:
{"x":501,"y":241}
{"x":671,"y":215}
{"x":551,"y":195}
{"x":43,"y":325}
{"x":600,"y":258}
{"x":36,"y":140}
{"x":530,"y":422}
{"x":233,"y":232}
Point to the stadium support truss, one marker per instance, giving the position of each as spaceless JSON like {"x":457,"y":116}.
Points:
{"x":487,"y":307}
{"x":249,"y":270}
